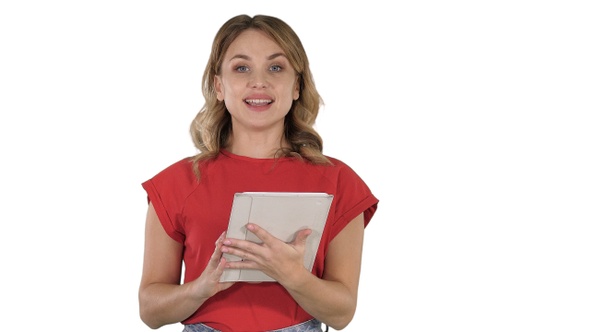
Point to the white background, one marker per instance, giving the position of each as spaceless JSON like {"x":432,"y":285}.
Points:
{"x":468,"y":119}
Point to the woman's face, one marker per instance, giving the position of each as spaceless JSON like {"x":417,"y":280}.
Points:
{"x":257,"y":82}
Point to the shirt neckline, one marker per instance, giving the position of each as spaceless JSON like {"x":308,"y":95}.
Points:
{"x":250,"y":159}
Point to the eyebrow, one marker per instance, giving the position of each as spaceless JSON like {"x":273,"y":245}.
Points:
{"x":270,"y":57}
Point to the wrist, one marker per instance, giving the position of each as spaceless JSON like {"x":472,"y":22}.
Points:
{"x":297,"y":279}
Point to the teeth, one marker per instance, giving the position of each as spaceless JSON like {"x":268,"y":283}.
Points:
{"x":257,"y":102}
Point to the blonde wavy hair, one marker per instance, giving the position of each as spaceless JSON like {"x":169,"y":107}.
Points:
{"x":211,"y":128}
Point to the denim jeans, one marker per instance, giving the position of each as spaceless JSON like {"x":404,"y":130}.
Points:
{"x":313,"y":325}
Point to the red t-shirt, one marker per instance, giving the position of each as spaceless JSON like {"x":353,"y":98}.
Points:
{"x":195,"y":213}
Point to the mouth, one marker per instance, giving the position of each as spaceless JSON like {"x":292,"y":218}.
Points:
{"x":258,"y":102}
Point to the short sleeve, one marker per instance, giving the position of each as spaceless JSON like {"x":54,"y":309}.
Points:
{"x":167,"y":191}
{"x":163,"y":212}
{"x":352,"y":198}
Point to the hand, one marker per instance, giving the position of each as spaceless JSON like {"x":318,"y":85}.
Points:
{"x":274,"y":257}
{"x":207,"y":284}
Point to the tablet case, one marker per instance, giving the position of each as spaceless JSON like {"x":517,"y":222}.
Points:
{"x":282,"y":214}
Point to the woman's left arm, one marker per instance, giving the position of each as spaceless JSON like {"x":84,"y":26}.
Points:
{"x":333,"y":298}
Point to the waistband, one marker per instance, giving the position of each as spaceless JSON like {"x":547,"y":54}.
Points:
{"x":312,"y":325}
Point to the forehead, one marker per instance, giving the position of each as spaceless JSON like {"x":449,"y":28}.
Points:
{"x":253,"y":42}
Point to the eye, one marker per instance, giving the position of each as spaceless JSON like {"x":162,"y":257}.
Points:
{"x":241,"y":69}
{"x":276,"y":68}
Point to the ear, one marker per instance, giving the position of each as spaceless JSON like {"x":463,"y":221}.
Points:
{"x":218,"y":88}
{"x":296,"y":88}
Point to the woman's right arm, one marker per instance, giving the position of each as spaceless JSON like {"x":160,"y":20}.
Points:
{"x":162,"y":299}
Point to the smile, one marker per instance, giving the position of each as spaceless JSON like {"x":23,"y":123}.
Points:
{"x":258,"y":102}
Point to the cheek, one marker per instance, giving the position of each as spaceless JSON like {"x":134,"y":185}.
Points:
{"x":293,"y":91}
{"x":292,"y":88}
{"x":230,"y":97}
{"x":232,"y":86}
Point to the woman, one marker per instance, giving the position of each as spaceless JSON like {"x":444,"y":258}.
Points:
{"x":254,"y":133}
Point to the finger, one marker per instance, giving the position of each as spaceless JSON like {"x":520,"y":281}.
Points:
{"x":216,"y":256}
{"x":218,"y":272}
{"x":301,"y":237}
{"x":260,"y":232}
{"x":242,"y":254}
{"x":220,"y":238}
{"x":219,"y":268}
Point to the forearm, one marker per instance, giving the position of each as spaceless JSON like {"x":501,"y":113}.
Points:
{"x":162,"y":304}
{"x":329,"y":301}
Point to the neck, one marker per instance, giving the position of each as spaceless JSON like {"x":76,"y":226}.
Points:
{"x":256,"y":146}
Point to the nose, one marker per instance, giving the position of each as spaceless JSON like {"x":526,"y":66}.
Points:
{"x":258,"y":80}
